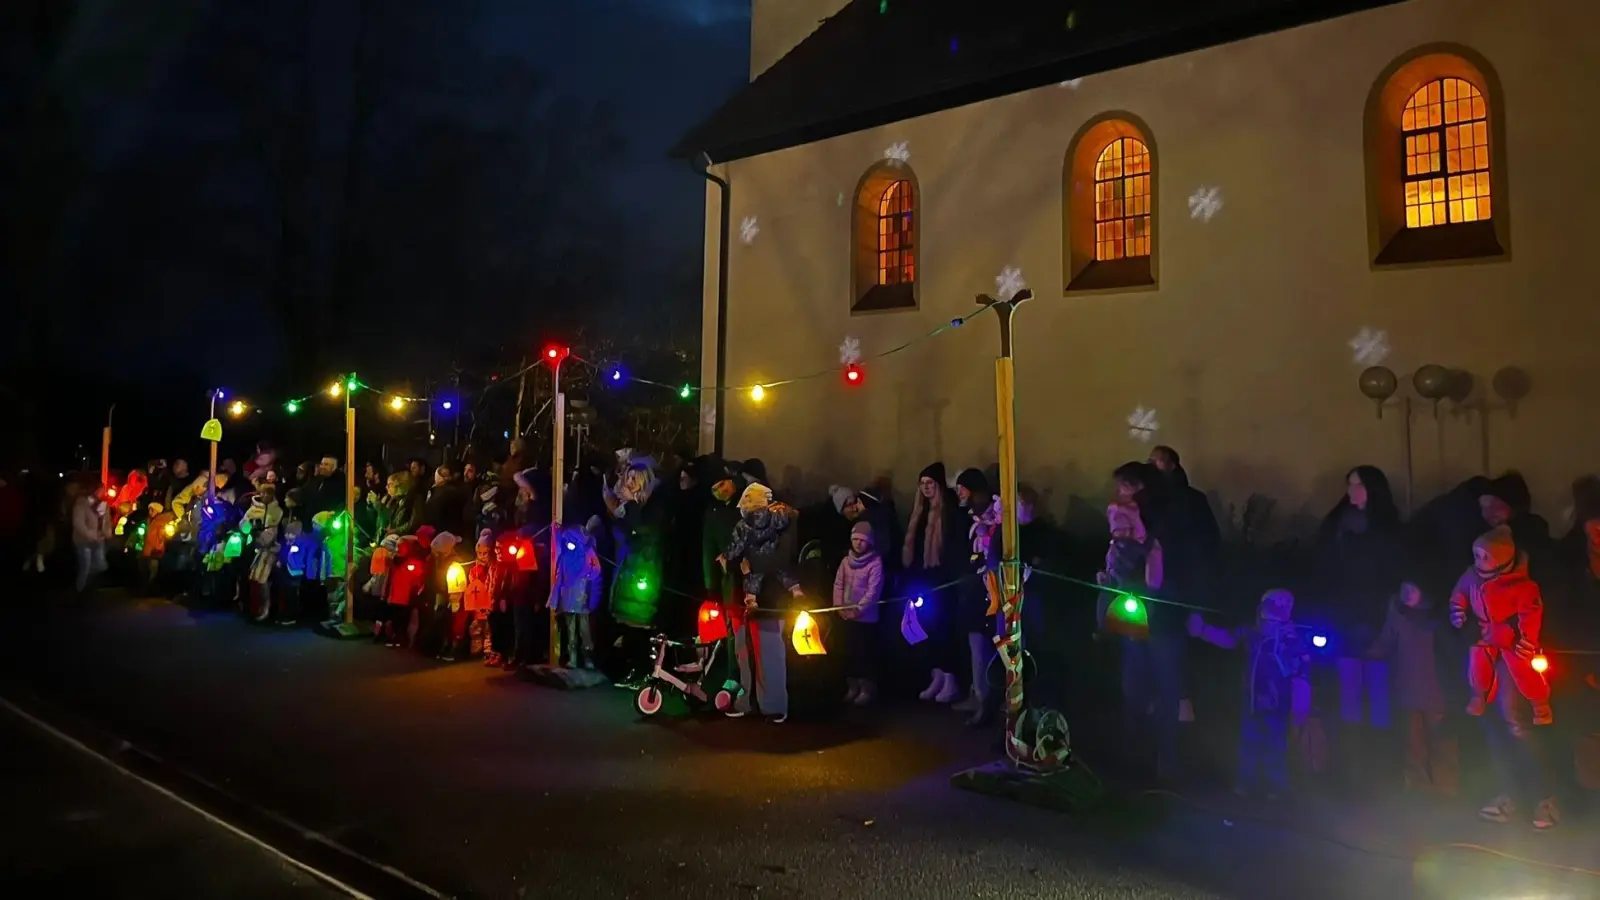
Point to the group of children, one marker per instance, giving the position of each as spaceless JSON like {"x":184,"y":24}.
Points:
{"x":1494,"y":593}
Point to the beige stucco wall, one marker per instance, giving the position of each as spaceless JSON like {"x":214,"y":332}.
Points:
{"x":776,"y":26}
{"x":1242,"y":348}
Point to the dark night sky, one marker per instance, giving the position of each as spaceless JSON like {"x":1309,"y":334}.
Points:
{"x":665,"y":63}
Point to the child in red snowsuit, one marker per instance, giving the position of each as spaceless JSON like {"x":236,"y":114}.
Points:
{"x":1510,"y":612}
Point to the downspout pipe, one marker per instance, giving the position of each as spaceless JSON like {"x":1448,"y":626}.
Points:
{"x":724,"y":224}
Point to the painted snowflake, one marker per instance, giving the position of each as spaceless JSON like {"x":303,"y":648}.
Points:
{"x":1370,"y":347}
{"x":1142,"y":424}
{"x":897,"y":154}
{"x":839,"y":200}
{"x":1008,"y":283}
{"x":1073,"y":83}
{"x":748,"y":229}
{"x":1205,"y":203}
{"x":850,"y":351}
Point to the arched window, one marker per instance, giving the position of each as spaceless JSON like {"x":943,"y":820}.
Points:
{"x":1446,"y":129}
{"x":1434,"y":182}
{"x":1122,"y":200}
{"x":885,"y":240}
{"x":1109,"y":204}
{"x":897,"y":251}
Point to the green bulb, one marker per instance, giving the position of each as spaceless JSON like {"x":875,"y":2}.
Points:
{"x":685,"y":392}
{"x":643,"y":584}
{"x":1130,"y":605}
{"x":291,"y":407}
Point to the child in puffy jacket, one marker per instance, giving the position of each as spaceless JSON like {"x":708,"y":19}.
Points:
{"x":857,"y":588}
{"x":1277,"y":685}
{"x":1509,"y":610}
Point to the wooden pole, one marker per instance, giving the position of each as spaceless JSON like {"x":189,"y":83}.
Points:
{"x":557,"y":432}
{"x":211,"y":480}
{"x":105,"y":448}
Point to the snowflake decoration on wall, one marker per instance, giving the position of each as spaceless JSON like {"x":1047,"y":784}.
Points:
{"x":748,"y":229}
{"x":839,"y":200}
{"x":897,"y":154}
{"x":1205,"y":203}
{"x":1142,"y":424}
{"x":1073,"y":83}
{"x":1008,"y":283}
{"x":850,"y":351}
{"x":1370,"y":347}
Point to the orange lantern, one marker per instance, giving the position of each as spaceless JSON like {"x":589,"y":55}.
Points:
{"x":807,"y":636}
{"x":713,"y":625}
{"x":380,"y":560}
{"x":523,"y":552}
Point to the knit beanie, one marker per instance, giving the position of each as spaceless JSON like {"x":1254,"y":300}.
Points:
{"x":756,"y":496}
{"x":486,"y":538}
{"x":841,"y":496}
{"x":973,"y":480}
{"x":936,"y":474}
{"x":862,"y":528}
{"x":1499,"y":547}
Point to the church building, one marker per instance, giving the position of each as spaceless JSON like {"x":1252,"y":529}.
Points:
{"x":1285,"y":237}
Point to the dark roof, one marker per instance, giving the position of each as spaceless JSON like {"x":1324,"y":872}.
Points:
{"x":871,"y":64}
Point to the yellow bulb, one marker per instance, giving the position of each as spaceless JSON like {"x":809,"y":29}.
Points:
{"x":237,"y":408}
{"x":334,"y":389}
{"x":758,"y":393}
{"x":397,"y":403}
{"x":170,"y":529}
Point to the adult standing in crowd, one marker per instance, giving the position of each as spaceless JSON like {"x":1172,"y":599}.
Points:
{"x":1360,"y":563}
{"x":934,"y":555}
{"x":1191,"y":542}
{"x":760,"y":643}
{"x":88,"y":535}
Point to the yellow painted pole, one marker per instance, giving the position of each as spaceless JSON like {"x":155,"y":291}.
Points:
{"x":349,"y":510}
{"x":557,"y":432}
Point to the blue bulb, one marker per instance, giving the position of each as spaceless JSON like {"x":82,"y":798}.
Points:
{"x":918,"y":602}
{"x":1319,"y":640}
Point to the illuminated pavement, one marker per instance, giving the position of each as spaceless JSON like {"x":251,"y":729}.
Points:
{"x":479,"y":785}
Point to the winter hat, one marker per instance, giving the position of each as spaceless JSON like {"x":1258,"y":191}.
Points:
{"x":863,"y":528}
{"x":425,"y":535}
{"x":756,"y":469}
{"x":756,"y":496}
{"x":1500,"y":549}
{"x":841,"y":496}
{"x":444,"y":542}
{"x":485,"y":538}
{"x":973,"y":480}
{"x":1277,"y":605}
{"x":936,"y":474}
{"x":154,"y":509}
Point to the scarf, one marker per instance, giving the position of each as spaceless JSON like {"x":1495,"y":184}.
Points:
{"x":931,"y":516}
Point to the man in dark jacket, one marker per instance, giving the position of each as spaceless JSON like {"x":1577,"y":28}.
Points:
{"x":446,"y":503}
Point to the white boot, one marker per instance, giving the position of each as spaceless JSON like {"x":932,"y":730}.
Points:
{"x":934,"y":686}
{"x":852,"y":690}
{"x":867,"y":691}
{"x":948,"y":690}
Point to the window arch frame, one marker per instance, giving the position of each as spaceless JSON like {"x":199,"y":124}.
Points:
{"x":1084,"y":271}
{"x":1391,"y":242}
{"x":868,"y":291}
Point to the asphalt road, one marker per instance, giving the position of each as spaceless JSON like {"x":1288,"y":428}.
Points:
{"x":479,"y":785}
{"x":73,"y":826}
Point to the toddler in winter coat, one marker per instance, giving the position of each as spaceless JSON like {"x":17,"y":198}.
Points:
{"x":1407,"y":642}
{"x":1509,"y":610}
{"x":1133,"y":560}
{"x":1276,"y":683}
{"x":857,"y":588}
{"x":760,"y":524}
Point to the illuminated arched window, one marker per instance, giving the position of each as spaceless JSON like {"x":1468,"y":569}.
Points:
{"x":1433,"y":140}
{"x":1122,"y":200}
{"x":1108,"y":205}
{"x":897,"y":252}
{"x":1445,"y":126}
{"x":885,"y":234}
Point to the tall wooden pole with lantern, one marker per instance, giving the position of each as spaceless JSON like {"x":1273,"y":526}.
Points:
{"x":345,"y":625}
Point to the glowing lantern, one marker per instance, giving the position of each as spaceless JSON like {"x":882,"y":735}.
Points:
{"x":411,"y":567}
{"x":233,"y":547}
{"x":171,"y":528}
{"x":1128,"y":617}
{"x":380,"y":560}
{"x":122,"y":525}
{"x":807,"y":637}
{"x":1540,"y":664}
{"x":712,"y":624}
{"x":111,"y":493}
{"x":455,"y":579}
{"x":522,"y":552}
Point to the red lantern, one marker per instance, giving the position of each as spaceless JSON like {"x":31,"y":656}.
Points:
{"x":713,"y":625}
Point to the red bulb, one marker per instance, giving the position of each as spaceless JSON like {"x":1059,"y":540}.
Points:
{"x":853,"y":374}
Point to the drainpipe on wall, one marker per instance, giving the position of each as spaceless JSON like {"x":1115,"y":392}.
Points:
{"x":726,"y":215}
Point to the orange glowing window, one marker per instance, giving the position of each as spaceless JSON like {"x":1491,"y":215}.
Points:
{"x":1445,"y":127}
{"x":1122,"y":200}
{"x":897,"y":258}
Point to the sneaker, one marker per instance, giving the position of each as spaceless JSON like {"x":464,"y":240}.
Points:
{"x":1543,"y":715}
{"x":735,"y":713}
{"x":865,"y":695}
{"x":1548,"y":815}
{"x":851,"y":692}
{"x":778,"y":720}
{"x":1500,"y":809}
{"x":1476,"y":706}
{"x":949,"y":692}
{"x":934,"y":686}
